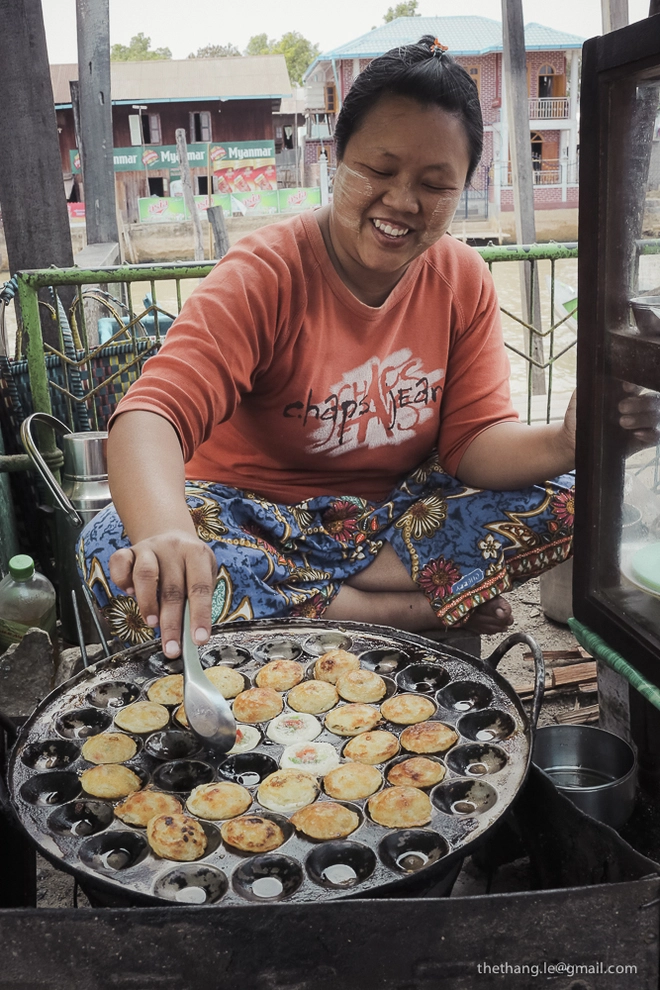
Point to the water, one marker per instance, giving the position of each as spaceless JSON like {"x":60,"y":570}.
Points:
{"x":463,"y":706}
{"x":191,"y":895}
{"x":267,"y":887}
{"x":575,"y":777}
{"x":463,"y":807}
{"x":476,"y":769}
{"x":412,"y":861}
{"x":340,"y":875}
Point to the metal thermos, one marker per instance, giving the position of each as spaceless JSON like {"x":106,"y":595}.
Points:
{"x":83,"y":493}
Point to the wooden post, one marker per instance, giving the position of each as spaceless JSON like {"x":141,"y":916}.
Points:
{"x":615,"y":14}
{"x":217,"y":221}
{"x":188,"y":196}
{"x":32,"y":197}
{"x":517,"y":99}
{"x":95,"y":108}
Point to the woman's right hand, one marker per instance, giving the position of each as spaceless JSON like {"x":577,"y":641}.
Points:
{"x":161,"y":572}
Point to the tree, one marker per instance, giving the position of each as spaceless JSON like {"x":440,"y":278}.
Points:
{"x":298,"y":51}
{"x":406,"y":8}
{"x":215,"y":51}
{"x":137,"y":50}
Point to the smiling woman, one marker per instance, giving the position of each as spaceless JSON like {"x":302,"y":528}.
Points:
{"x":340,"y":384}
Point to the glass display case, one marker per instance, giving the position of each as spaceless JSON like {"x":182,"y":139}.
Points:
{"x":617,"y":547}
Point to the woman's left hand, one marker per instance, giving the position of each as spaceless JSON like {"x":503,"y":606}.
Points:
{"x":640,"y":413}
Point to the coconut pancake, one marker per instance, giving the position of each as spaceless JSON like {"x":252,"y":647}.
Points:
{"x":317,"y":758}
{"x":110,"y":780}
{"x":218,"y":801}
{"x":361,"y":685}
{"x":428,"y":737}
{"x":141,"y":807}
{"x":325,"y":820}
{"x":252,"y":834}
{"x":349,"y":720}
{"x":257,"y":705}
{"x":109,"y":747}
{"x":372,"y":747}
{"x":177,"y":837}
{"x":407,"y":709}
{"x":333,"y":664}
{"x":352,"y":781}
{"x":313,"y":697}
{"x":296,"y":727}
{"x":280,"y":675}
{"x":181,"y":717}
{"x":416,"y":772}
{"x":142,"y":716}
{"x":247,"y":738}
{"x":228,"y":682}
{"x":286,"y":791}
{"x":400,"y":807}
{"x":166,"y":690}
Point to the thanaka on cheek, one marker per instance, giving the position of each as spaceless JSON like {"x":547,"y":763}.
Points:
{"x":355,"y":190}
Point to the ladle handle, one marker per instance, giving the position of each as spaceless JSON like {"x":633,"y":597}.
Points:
{"x":30,"y":446}
{"x":539,"y":668}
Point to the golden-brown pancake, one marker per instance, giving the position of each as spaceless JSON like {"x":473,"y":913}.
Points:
{"x":110,"y":780}
{"x":181,"y":717}
{"x":252,"y":834}
{"x":400,"y":807}
{"x":416,"y":772}
{"x":352,"y":781}
{"x":333,"y":664}
{"x":142,"y":716}
{"x":361,"y":685}
{"x":141,"y":807}
{"x":257,"y":705}
{"x":313,"y":697}
{"x":326,"y":820}
{"x":286,"y":791}
{"x":428,"y":737}
{"x":177,"y":837}
{"x":228,"y":682}
{"x":218,"y":801}
{"x":280,"y":675}
{"x":372,"y":747}
{"x":109,"y":747}
{"x":407,"y":709}
{"x":166,"y":690}
{"x":349,"y":720}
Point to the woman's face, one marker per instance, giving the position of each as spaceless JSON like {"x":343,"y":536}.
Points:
{"x":397,"y":187}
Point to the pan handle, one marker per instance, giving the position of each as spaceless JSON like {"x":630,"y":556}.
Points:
{"x":539,"y":668}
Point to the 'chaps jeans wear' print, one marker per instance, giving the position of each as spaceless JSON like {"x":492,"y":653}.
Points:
{"x":462,"y":546}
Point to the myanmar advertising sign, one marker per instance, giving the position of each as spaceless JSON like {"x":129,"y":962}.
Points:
{"x":165,"y":209}
{"x":239,"y":166}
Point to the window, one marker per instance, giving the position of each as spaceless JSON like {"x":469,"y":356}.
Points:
{"x":145,"y":128}
{"x":200,"y":127}
{"x":156,"y":185}
{"x":330,"y":98}
{"x":537,"y":150}
{"x":288,"y":137}
{"x":475,"y":75}
{"x":546,"y":82}
{"x":202,"y":185}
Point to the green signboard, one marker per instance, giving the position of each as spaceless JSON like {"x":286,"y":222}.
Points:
{"x":166,"y":209}
{"x":160,"y":157}
{"x":298,"y":200}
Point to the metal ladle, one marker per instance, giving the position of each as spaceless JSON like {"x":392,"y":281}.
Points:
{"x":208,"y":714}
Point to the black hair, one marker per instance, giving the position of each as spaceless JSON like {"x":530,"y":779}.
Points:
{"x":422,"y":72}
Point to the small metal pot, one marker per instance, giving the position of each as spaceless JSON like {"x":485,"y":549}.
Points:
{"x":594,"y":768}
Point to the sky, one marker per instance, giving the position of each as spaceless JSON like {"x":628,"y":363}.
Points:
{"x":183,"y":28}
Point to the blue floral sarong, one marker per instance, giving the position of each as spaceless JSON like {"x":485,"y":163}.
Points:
{"x":462,"y":546}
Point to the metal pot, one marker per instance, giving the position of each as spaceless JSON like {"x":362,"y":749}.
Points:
{"x":83,"y":493}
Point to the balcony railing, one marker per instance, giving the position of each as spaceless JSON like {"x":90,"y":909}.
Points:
{"x":555,"y":108}
{"x":546,"y":172}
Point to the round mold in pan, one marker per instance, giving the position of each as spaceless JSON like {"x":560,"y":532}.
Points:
{"x":136,"y":874}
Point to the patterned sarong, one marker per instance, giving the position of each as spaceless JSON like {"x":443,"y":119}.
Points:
{"x":461,"y":545}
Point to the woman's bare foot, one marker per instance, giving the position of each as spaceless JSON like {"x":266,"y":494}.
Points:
{"x":494,"y":616}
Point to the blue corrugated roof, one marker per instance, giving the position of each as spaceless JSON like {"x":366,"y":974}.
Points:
{"x":462,"y":35}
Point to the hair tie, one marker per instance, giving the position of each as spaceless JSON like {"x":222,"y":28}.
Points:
{"x":438,"y":49}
